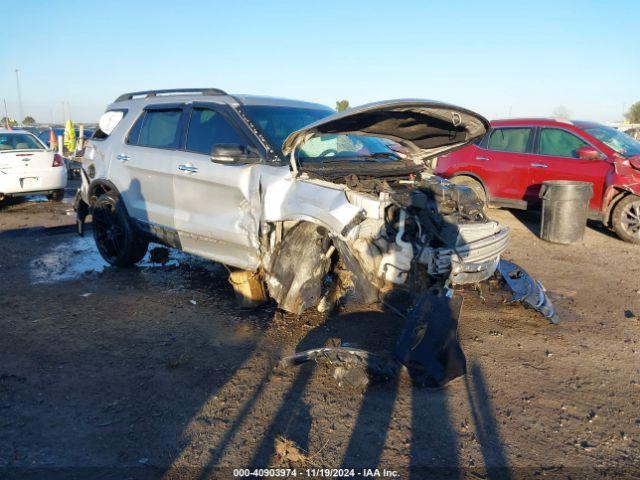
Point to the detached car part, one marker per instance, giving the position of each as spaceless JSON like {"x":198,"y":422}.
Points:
{"x":527,"y":290}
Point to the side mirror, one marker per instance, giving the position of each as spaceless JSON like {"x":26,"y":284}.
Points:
{"x":588,"y":153}
{"x":233,"y":153}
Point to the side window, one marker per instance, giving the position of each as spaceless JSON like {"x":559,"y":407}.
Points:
{"x":559,"y":143}
{"x":509,"y":139}
{"x":161,"y":128}
{"x":207,"y":128}
{"x":134,"y":133}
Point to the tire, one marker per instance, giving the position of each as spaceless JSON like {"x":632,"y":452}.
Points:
{"x":117,"y":240}
{"x":56,"y":195}
{"x":625,"y":219}
{"x":474,"y":185}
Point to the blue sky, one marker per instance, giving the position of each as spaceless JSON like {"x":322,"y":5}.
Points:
{"x":501,"y":58}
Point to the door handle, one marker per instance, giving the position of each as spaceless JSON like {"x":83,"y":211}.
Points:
{"x":484,"y":159}
{"x":187,"y":168}
{"x":123,"y":158}
{"x":539,"y":165}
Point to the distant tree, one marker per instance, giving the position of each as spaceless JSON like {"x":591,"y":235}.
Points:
{"x":342,"y":105}
{"x":633,"y":114}
{"x":28,"y":120}
{"x":4,"y":121}
{"x":561,"y":112}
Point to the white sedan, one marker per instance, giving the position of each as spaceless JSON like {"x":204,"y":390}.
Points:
{"x":27,"y":167}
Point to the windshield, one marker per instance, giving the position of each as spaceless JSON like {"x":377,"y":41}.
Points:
{"x":617,"y":140}
{"x":19,"y":141}
{"x":277,"y":123}
{"x":338,"y":147}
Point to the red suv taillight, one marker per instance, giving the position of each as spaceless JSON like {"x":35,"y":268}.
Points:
{"x":57,"y":160}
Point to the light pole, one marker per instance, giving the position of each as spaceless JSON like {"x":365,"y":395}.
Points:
{"x":20,"y":109}
{"x":6,"y":113}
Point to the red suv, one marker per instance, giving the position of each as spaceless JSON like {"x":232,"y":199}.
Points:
{"x":508,"y":165}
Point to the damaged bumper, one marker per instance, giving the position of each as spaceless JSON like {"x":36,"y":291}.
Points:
{"x":527,"y":290}
{"x":472,"y":261}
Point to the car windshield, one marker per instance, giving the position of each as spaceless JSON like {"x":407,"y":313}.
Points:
{"x":19,"y":141}
{"x":277,"y":123}
{"x":340,"y":147}
{"x":617,"y":140}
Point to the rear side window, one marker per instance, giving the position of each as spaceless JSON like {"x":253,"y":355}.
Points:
{"x":559,"y":143}
{"x":208,"y":128}
{"x":134,"y":133}
{"x":509,"y":139}
{"x":160,"y":129}
{"x":108,"y":122}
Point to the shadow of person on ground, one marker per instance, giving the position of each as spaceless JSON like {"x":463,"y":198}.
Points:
{"x":485,"y":424}
{"x":346,"y":329}
{"x":432,"y":445}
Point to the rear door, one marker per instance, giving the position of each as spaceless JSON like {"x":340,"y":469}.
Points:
{"x":143,"y":165}
{"x":557,"y":159}
{"x":503,"y":159}
{"x":216,"y":204}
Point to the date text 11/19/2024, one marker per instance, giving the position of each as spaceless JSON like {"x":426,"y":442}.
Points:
{"x":316,"y":472}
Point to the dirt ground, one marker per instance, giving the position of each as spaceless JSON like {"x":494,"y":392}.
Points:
{"x":154,"y":372}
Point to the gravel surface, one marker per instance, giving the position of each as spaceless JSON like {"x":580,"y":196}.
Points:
{"x":154,"y":372}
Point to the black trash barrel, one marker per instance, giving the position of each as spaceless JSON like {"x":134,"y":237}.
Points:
{"x":564,"y":210}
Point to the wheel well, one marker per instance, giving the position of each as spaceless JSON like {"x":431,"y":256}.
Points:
{"x":98,"y":188}
{"x":622,"y":194}
{"x":473,"y":177}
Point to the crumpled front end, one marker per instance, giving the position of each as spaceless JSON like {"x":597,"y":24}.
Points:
{"x":421,"y":234}
{"x":433,"y":232}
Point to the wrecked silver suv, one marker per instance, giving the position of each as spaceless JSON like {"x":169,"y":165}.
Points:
{"x":314,"y":203}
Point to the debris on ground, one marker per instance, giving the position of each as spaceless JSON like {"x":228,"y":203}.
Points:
{"x":353,"y":366}
{"x":527,"y":290}
{"x":428,"y":347}
{"x":159,"y":255}
{"x":287,"y":452}
{"x":248,"y":288}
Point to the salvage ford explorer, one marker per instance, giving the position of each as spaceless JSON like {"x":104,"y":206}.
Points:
{"x":314,"y":203}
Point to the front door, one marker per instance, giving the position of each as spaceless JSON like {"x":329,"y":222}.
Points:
{"x":217,"y":205}
{"x":557,"y":159}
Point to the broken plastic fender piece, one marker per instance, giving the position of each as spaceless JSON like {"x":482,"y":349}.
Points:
{"x":527,"y":290}
{"x":428,"y":345}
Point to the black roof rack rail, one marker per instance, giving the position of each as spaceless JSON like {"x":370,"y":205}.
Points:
{"x":153,"y":93}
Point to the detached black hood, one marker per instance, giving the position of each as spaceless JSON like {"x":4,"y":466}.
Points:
{"x":428,"y":128}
